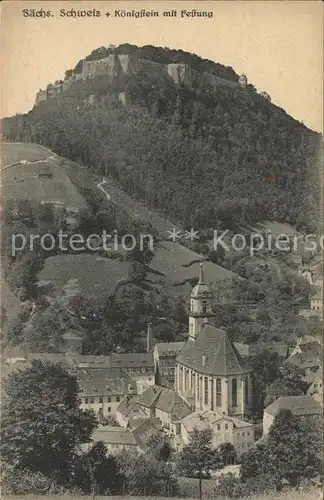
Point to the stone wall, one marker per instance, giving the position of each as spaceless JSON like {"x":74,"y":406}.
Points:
{"x":116,"y":65}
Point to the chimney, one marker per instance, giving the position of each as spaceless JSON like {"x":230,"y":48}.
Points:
{"x":149,"y":337}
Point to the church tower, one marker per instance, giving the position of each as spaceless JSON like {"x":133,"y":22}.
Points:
{"x":200,"y":306}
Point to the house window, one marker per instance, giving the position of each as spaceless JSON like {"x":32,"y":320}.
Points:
{"x":101,"y":400}
{"x":206,"y":390}
{"x":118,"y":399}
{"x":86,"y":401}
{"x":109,"y":409}
{"x":109,"y":399}
{"x":226,"y":427}
{"x":243,"y":434}
{"x":91,"y":401}
{"x":234,"y":392}
{"x":218,"y":427}
{"x":218,"y":392}
{"x":204,"y":307}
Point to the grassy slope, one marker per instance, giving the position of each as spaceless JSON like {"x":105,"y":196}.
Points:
{"x":96,"y":275}
{"x":14,"y":152}
{"x":21,"y":181}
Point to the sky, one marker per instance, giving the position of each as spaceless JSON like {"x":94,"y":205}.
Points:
{"x":277,"y":44}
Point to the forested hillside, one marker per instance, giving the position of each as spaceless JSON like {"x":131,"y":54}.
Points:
{"x":204,"y":157}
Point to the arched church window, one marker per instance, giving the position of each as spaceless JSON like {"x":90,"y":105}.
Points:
{"x":218,"y":392}
{"x":204,"y":306}
{"x":234,"y":392}
{"x":246,"y":390}
{"x":206,"y":390}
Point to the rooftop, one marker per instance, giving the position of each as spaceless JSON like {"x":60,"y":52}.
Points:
{"x":128,"y":406}
{"x":114,"y":436}
{"x":170,"y":402}
{"x":298,"y":405}
{"x":136,"y":359}
{"x":207,"y":419}
{"x":99,"y":381}
{"x":166,"y":348}
{"x":149,"y":397}
{"x":213,"y":353}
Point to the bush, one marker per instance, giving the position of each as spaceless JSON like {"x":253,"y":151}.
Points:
{"x":24,"y":482}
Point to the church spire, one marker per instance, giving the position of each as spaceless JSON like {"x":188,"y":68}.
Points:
{"x":201,"y":275}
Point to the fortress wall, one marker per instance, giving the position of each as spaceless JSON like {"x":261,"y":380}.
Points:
{"x":125,"y":62}
{"x":173,"y":72}
{"x":90,"y":69}
{"x":158,"y":69}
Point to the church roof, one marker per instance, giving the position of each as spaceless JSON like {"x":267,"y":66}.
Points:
{"x":213,"y":353}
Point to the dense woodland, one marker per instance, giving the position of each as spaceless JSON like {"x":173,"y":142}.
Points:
{"x":204,"y":157}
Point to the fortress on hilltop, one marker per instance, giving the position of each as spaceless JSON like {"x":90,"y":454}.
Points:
{"x":118,"y":65}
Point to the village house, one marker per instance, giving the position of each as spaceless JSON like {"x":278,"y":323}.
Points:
{"x":139,"y":366}
{"x":165,"y":354}
{"x":101,"y":390}
{"x":225,"y":429}
{"x":316,"y":386}
{"x":166,"y":405}
{"x":316,"y":301}
{"x":301,"y":406}
{"x":306,"y":357}
{"x":118,"y":439}
{"x":128,"y":410}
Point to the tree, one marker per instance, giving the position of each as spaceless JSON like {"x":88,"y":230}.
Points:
{"x":265,"y":369}
{"x":228,"y":453}
{"x":145,"y":475}
{"x":159,"y":447}
{"x":291,"y":452}
{"x":199,"y":456}
{"x":251,"y":463}
{"x":97,"y":473}
{"x":42,"y":424}
{"x":288,"y":383}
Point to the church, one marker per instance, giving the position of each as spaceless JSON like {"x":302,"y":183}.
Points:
{"x":210,"y":374}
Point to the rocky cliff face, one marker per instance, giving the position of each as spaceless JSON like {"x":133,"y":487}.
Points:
{"x":126,"y":64}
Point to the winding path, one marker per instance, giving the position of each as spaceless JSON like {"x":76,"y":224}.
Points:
{"x":102,"y":189}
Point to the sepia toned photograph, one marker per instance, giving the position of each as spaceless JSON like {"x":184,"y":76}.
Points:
{"x":161,"y":250}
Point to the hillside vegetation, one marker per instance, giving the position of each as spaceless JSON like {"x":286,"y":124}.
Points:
{"x":204,"y":157}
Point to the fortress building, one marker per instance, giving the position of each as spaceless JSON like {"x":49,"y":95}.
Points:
{"x":243,"y":81}
{"x":265,"y":96}
{"x":118,"y":65}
